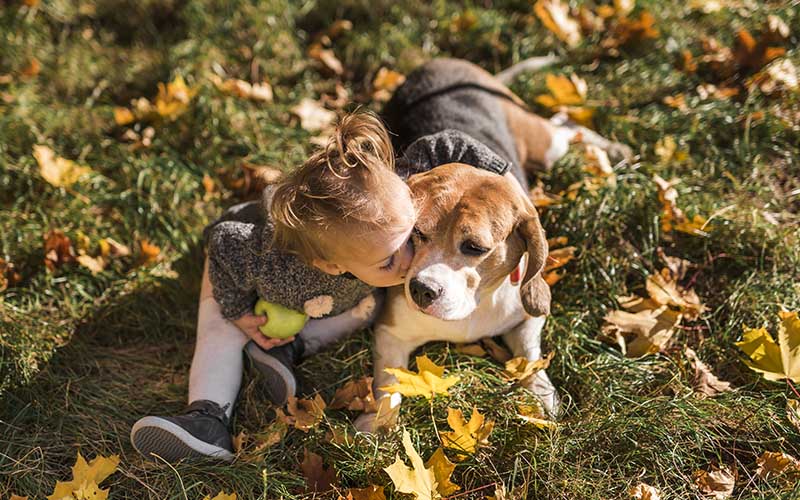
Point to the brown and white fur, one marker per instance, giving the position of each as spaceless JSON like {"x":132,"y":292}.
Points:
{"x":456,"y":292}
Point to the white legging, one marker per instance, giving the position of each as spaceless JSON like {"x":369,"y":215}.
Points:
{"x":216,"y":372}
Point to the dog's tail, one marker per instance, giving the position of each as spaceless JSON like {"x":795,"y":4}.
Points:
{"x":530,"y":64}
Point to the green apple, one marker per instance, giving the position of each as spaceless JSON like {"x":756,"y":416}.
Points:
{"x":282,"y":322}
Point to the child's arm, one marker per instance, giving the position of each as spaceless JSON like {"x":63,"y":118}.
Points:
{"x":225,"y":263}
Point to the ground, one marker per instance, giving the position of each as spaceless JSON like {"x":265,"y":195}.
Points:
{"x":84,"y":355}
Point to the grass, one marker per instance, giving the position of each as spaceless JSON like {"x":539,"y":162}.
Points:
{"x":83,"y":356}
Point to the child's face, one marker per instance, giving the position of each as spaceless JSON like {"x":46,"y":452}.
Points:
{"x":380,"y":259}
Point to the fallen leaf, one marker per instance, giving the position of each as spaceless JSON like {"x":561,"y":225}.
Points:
{"x":426,"y":382}
{"x":32,"y":69}
{"x":369,"y":493}
{"x":86,"y":478}
{"x":113,"y":248}
{"x":313,"y":117}
{"x":173,"y":98}
{"x":123,"y":116}
{"x":258,"y":443}
{"x":424,"y":481}
{"x":598,"y":164}
{"x":664,"y":289}
{"x":718,"y":483}
{"x":385,"y":83}
{"x":628,"y":31}
{"x":793,"y":413}
{"x":555,"y":17}
{"x":355,"y":395}
{"x":442,"y":470}
{"x":149,"y":253}
{"x":566,"y":95}
{"x":779,"y":76}
{"x":673,"y":217}
{"x":304,"y":414}
{"x":542,"y":199}
{"x":327,"y":57}
{"x":471,"y":350}
{"x":774,"y":361}
{"x":466,"y":436}
{"x":520,"y":368}
{"x":643,"y":491}
{"x":753,"y":55}
{"x":246,"y":90}
{"x":93,"y":264}
{"x":8,"y":275}
{"x":646,"y":330}
{"x":705,"y":382}
{"x":56,"y":170}
{"x":57,"y":249}
{"x":496,"y":351}
{"x":318,"y":478}
{"x":706,"y":6}
{"x":220,"y":496}
{"x":559,"y":258}
{"x":777,"y":463}
{"x":531,"y":414}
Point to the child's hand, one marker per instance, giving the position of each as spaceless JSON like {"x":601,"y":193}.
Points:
{"x":249,"y":324}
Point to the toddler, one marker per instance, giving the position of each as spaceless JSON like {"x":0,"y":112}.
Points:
{"x":324,"y":242}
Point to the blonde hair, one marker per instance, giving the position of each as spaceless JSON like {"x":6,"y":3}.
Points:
{"x":345,"y":186}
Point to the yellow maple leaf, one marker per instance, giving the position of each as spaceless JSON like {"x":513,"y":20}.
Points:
{"x":564,"y":91}
{"x":776,"y":361}
{"x":426,"y":481}
{"x":534,"y":415}
{"x":85,"y":479}
{"x":56,"y":170}
{"x":426,"y":382}
{"x":466,"y":436}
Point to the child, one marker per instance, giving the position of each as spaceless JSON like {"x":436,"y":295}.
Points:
{"x":341,"y":225}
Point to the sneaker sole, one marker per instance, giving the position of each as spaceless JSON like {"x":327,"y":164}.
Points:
{"x":280,"y":374}
{"x":156,"y":436}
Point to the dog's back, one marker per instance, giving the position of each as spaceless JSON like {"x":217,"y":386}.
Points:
{"x":452,"y":94}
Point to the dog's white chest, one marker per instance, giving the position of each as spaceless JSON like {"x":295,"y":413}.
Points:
{"x":495,"y":314}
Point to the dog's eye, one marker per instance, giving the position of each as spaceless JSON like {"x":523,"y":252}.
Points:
{"x":418,"y":234}
{"x":469,"y":247}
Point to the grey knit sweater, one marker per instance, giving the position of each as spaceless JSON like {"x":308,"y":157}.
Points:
{"x":243,"y":266}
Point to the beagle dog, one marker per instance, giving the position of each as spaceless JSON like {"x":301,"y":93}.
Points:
{"x":479,"y":246}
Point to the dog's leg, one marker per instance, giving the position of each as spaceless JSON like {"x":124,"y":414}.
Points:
{"x":390,"y":352}
{"x":572,"y":131}
{"x":524,"y":340}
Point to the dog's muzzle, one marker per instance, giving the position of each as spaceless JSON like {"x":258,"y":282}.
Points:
{"x":422,"y":294}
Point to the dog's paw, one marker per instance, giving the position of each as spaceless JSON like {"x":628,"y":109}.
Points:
{"x":541,"y":386}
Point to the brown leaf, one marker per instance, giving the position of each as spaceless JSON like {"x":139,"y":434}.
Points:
{"x":149,"y":253}
{"x":677,"y":267}
{"x":776,"y":463}
{"x":327,"y":57}
{"x":318,"y":478}
{"x":471,"y":350}
{"x":559,"y":258}
{"x":57,"y":249}
{"x":717,"y":483}
{"x":496,"y":351}
{"x":673,"y":217}
{"x":629,"y":31}
{"x":355,"y":395}
{"x":705,"y":382}
{"x":8,"y":275}
{"x":753,"y":55}
{"x":32,"y":69}
{"x":369,"y":493}
{"x":385,"y":83}
{"x":644,"y":492}
{"x":304,"y":414}
{"x":239,"y":441}
{"x":313,"y":117}
{"x":664,"y":289}
{"x":644,"y":331}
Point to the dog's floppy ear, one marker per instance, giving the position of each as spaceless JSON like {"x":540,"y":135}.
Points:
{"x":534,"y":291}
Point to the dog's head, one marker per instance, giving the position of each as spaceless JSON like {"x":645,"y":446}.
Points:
{"x":472,"y":230}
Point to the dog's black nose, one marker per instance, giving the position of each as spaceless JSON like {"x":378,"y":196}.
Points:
{"x":422,"y":294}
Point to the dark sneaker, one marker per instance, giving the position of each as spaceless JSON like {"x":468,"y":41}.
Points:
{"x":277,"y":367}
{"x":201,"y":431}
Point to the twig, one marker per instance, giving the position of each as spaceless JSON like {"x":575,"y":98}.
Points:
{"x":791,"y":385}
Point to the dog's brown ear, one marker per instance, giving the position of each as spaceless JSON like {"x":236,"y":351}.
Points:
{"x":534,"y":291}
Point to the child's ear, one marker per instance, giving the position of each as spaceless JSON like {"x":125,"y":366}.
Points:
{"x":327,"y":267}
